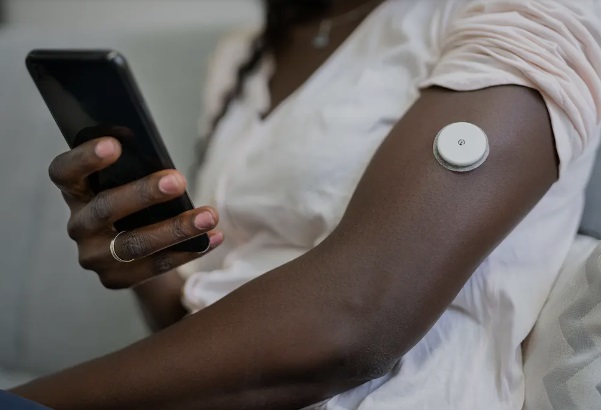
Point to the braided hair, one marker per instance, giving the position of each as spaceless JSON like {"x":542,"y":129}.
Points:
{"x":279,"y":16}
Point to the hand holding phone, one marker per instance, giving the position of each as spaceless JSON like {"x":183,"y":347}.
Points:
{"x":128,"y":203}
{"x":93,"y":215}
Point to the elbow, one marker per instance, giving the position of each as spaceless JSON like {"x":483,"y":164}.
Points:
{"x":365,"y":365}
{"x":367,"y":340}
{"x":366,"y":361}
{"x":356,"y":357}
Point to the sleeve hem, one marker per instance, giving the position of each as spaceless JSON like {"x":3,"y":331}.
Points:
{"x":558,"y":120}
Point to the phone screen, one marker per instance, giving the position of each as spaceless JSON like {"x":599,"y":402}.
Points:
{"x":92,"y":98}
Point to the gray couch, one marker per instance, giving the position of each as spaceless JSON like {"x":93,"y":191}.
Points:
{"x":52,"y":313}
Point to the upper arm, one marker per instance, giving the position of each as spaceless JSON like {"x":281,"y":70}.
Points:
{"x":414,"y":232}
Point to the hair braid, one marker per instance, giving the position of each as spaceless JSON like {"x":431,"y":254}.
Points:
{"x":279,"y":15}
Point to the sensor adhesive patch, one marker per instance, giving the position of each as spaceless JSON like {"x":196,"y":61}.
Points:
{"x":461,"y":147}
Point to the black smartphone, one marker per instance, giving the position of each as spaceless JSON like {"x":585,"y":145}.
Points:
{"x":91,"y":94}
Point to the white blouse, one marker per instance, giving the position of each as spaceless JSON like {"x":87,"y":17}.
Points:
{"x":283,"y":184}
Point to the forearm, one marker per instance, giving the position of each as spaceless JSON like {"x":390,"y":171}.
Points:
{"x":160,"y":300}
{"x":261,"y":347}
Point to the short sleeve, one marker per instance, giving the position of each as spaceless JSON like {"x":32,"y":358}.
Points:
{"x":551,"y":46}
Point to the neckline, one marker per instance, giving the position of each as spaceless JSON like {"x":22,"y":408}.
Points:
{"x":269,"y":67}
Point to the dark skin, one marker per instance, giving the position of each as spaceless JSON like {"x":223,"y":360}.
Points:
{"x":160,"y":298}
{"x":345,"y":312}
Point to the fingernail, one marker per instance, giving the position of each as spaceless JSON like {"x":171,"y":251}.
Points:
{"x":170,"y":184}
{"x":105,"y":149}
{"x":204,"y":221}
{"x":216,"y":239}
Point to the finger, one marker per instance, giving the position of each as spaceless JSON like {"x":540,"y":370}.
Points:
{"x":111,"y":272}
{"x":69,"y":171}
{"x":115,"y":204}
{"x":95,"y":256}
{"x":165,"y":261}
{"x":146,"y":269}
{"x":216,"y":238}
{"x":148,"y":240}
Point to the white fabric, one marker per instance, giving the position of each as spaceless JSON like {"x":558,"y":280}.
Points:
{"x":283,"y":184}
{"x":562,"y":358}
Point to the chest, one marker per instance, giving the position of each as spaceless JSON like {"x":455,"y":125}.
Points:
{"x":300,"y":60}
{"x":293,"y":173}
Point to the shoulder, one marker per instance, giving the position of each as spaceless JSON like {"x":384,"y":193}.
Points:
{"x":552,"y":46}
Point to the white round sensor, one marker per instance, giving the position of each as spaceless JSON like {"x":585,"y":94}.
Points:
{"x":461,"y":147}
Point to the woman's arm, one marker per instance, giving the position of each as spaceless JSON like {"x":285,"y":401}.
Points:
{"x":160,"y":300}
{"x":345,"y":312}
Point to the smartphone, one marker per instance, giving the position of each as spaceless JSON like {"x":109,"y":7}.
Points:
{"x":92,"y":94}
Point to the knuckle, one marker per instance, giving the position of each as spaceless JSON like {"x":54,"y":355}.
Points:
{"x":86,"y":263}
{"x":73,"y":229}
{"x":101,"y":208}
{"x":163,"y":263}
{"x":56,"y":170}
{"x":145,"y":192}
{"x":136,"y":246}
{"x":179,"y":230}
{"x":113,"y":282}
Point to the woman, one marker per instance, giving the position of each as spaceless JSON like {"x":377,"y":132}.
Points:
{"x":377,"y":277}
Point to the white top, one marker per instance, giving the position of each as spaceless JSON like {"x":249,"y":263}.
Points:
{"x":283,"y":184}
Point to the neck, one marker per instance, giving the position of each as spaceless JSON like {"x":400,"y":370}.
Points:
{"x":289,"y":20}
{"x":341,"y":7}
{"x":295,"y":12}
